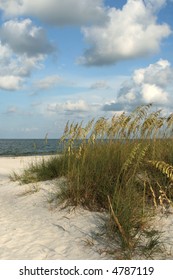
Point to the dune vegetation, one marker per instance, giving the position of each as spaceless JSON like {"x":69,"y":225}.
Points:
{"x":122,"y":165}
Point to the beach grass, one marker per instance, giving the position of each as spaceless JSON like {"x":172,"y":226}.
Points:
{"x":122,"y":165}
{"x":46,"y":169}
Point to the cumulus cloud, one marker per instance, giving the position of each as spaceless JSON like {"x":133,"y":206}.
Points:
{"x":154,"y":94}
{"x":8,"y":80}
{"x":23,"y":48}
{"x":153,"y":84}
{"x":160,"y":73}
{"x":56,"y":12}
{"x":25,"y":38}
{"x":48,"y":82}
{"x":15,"y":68}
{"x":19,"y":65}
{"x":130,"y":32}
{"x":5,"y":52}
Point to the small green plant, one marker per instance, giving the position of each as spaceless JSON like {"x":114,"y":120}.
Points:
{"x":46,"y":169}
{"x":152,"y":244}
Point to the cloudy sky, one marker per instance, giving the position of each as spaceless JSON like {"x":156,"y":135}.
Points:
{"x":79,"y":59}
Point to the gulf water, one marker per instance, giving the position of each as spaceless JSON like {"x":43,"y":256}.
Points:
{"x":26,"y":147}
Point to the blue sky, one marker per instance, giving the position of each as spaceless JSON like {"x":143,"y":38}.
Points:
{"x":79,"y":59}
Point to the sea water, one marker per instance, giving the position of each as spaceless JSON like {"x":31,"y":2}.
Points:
{"x":26,"y":147}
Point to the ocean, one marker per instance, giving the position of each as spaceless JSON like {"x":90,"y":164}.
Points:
{"x":26,"y":147}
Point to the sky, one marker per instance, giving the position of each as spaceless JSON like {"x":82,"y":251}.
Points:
{"x":81,"y":59}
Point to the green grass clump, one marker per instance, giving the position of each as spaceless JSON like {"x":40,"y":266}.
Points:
{"x":46,"y":169}
{"x":123,"y":165}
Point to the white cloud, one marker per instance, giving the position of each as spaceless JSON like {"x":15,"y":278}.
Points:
{"x":160,"y":73}
{"x":56,"y":12}
{"x":19,"y":65}
{"x":23,"y":47}
{"x":5,"y":53}
{"x":154,"y":94}
{"x":10,"y":82}
{"x":69,"y":106}
{"x":15,"y":68}
{"x":130,"y":32}
{"x":25,"y":38}
{"x":79,"y":106}
{"x":153,"y":84}
{"x":48,"y":82}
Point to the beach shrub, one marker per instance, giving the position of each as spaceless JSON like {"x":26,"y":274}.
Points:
{"x":122,"y":165}
{"x":116,"y":170}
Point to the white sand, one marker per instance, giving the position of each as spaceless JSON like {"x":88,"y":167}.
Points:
{"x":30,"y":228}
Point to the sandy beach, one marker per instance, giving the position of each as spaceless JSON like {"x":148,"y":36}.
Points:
{"x":31,"y":228}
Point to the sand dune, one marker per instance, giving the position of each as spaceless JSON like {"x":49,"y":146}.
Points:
{"x":31,"y":228}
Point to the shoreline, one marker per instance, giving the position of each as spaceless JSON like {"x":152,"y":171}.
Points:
{"x":28,"y":155}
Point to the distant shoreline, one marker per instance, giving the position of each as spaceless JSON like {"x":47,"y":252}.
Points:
{"x":26,"y":155}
